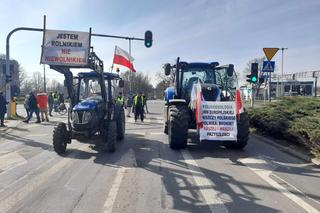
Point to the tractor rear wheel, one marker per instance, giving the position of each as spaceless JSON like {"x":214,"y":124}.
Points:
{"x":60,"y":138}
{"x":121,"y":125}
{"x":178,"y":126}
{"x":243,"y":132}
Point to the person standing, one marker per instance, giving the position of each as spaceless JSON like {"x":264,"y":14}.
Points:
{"x":120,"y":99}
{"x":33,"y":107}
{"x":55,"y":101}
{"x":145,"y":103}
{"x":138,"y":107}
{"x":3,"y":109}
{"x":128,"y":106}
{"x":26,"y":105}
{"x":42,"y":100}
{"x":50,"y":103}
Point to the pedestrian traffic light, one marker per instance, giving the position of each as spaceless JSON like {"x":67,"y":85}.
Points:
{"x":148,"y":38}
{"x":253,"y":77}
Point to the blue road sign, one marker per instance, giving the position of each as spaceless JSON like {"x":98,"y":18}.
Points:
{"x":268,"y":66}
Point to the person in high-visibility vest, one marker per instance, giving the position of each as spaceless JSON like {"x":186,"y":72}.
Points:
{"x":120,"y":99}
{"x":55,"y":101}
{"x":138,"y":107}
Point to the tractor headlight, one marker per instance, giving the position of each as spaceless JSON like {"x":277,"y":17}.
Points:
{"x":86,"y":117}
{"x":74,"y":117}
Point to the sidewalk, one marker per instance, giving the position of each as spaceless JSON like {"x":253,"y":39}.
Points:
{"x":10,"y":125}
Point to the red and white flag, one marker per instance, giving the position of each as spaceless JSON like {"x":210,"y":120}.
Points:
{"x":123,"y":58}
{"x":199,"y":105}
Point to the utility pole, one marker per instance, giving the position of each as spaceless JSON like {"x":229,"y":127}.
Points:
{"x":44,"y":79}
{"x":281,"y":85}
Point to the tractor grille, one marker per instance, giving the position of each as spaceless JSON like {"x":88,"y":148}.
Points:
{"x":80,"y":116}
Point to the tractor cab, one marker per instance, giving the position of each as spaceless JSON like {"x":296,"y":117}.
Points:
{"x":217,"y":82}
{"x":92,"y":102}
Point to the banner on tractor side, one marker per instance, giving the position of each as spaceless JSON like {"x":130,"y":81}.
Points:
{"x":65,"y":48}
{"x":219,"y":121}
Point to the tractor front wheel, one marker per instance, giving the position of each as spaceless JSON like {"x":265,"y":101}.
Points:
{"x":243,"y":133}
{"x":60,"y":138}
{"x":178,"y":124}
{"x":121,"y":125}
{"x":110,"y":137}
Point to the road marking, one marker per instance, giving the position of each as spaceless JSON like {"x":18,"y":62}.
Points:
{"x":11,"y":160}
{"x":204,"y":184}
{"x":262,"y":169}
{"x":111,"y":198}
{"x":126,"y":162}
{"x":8,"y":203}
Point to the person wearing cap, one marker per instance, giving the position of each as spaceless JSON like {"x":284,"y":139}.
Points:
{"x":138,"y":107}
{"x":3,"y":109}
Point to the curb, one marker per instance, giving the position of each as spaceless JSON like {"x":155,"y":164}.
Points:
{"x":288,"y":150}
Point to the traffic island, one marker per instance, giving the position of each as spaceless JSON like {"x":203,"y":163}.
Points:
{"x":295,"y":120}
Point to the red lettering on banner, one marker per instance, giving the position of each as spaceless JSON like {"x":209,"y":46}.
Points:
{"x":65,"y":51}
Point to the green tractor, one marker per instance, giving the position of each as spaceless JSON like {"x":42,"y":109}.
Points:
{"x":218,"y":84}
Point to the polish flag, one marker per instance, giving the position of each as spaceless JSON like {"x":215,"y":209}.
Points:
{"x":199,"y":100}
{"x":239,"y":105}
{"x":123,"y":58}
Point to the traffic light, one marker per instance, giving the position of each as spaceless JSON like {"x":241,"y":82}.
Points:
{"x":148,"y":38}
{"x":253,"y":77}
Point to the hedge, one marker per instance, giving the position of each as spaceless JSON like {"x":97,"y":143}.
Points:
{"x":296,"y":119}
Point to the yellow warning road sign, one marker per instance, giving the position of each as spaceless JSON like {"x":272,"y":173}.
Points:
{"x":270,"y":52}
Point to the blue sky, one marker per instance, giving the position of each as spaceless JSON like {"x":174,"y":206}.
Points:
{"x":232,"y":31}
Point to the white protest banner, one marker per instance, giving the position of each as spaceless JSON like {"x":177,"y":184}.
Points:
{"x":219,"y":121}
{"x":67,"y":48}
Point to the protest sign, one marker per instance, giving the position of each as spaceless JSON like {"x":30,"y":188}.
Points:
{"x":66,"y":48}
{"x":219,"y":121}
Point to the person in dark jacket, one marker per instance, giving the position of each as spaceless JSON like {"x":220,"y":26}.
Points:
{"x":50,"y":103}
{"x":33,"y":107}
{"x":3,"y":109}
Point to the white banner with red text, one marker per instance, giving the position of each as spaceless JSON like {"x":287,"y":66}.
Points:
{"x":219,"y":121}
{"x":65,"y":48}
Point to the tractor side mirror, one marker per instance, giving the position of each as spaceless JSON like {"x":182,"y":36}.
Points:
{"x":167,"y":69}
{"x":121,"y":83}
{"x":230,"y":70}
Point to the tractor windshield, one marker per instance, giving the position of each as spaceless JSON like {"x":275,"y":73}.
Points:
{"x":227,"y":84}
{"x":89,"y":88}
{"x":191,"y":75}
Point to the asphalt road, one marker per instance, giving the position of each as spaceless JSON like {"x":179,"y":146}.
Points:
{"x":145,"y":175}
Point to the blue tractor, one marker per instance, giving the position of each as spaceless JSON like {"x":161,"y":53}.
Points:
{"x":93,"y":111}
{"x":218,"y":83}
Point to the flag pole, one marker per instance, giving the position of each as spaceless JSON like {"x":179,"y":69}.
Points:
{"x":114,"y":53}
{"x":130,"y":76}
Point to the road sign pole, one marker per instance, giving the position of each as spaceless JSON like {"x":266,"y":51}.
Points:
{"x":269,"y":87}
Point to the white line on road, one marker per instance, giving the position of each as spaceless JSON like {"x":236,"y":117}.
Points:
{"x":262,"y":169}
{"x":205,"y":185}
{"x":111,"y":198}
{"x":7,"y":203}
{"x":127,"y":161}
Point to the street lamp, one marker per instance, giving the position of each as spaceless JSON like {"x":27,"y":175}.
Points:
{"x":281,"y":85}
